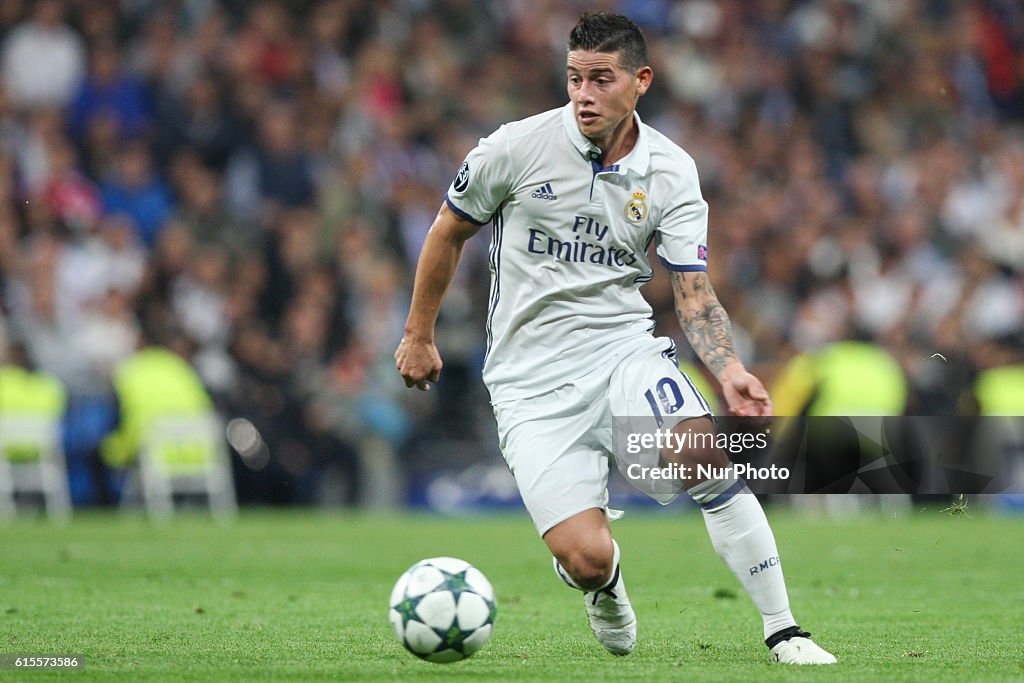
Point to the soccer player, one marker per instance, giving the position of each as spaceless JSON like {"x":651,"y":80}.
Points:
{"x":574,"y":197}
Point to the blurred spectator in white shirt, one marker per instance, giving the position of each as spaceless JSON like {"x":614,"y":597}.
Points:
{"x":43,"y":58}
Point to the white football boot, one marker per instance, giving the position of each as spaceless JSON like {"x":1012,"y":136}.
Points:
{"x":611,"y":616}
{"x":793,"y":646}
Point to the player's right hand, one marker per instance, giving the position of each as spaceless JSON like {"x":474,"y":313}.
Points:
{"x":418,"y":362}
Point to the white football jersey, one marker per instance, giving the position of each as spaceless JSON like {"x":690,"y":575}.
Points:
{"x":569,"y":244}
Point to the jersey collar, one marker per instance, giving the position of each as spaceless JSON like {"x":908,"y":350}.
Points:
{"x":637,"y":160}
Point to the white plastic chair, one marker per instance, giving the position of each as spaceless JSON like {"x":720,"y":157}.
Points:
{"x":32,"y":461}
{"x":185,"y":454}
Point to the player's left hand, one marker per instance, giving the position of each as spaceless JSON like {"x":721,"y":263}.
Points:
{"x":745,"y":395}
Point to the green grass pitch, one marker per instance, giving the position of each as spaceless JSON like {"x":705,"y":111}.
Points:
{"x":303,"y":596}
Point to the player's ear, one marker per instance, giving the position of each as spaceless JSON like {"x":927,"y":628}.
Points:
{"x":644,"y":76}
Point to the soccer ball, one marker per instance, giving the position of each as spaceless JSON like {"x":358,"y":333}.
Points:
{"x":442,"y":609}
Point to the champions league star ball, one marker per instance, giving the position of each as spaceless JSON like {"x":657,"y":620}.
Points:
{"x":442,"y":609}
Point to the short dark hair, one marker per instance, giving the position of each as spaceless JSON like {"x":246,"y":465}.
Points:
{"x":608,"y":32}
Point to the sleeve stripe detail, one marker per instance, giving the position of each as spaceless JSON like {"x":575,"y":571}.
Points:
{"x":497,"y":226}
{"x":460,"y":213}
{"x":691,"y":268}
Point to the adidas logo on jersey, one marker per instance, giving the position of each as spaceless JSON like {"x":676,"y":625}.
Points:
{"x":544,"y":192}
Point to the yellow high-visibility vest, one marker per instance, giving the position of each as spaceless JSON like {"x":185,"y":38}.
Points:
{"x":153,"y":383}
{"x":844,"y":378}
{"x":1000,"y":390}
{"x":29,"y":394}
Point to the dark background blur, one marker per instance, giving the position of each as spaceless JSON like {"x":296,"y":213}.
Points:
{"x":249,"y":183}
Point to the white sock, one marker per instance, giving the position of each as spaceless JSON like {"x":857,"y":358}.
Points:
{"x":742,"y":538}
{"x":569,"y":581}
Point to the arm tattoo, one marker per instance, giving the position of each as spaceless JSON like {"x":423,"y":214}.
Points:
{"x":704,"y":321}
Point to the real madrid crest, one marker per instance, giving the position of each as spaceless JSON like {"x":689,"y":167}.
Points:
{"x":636,"y":208}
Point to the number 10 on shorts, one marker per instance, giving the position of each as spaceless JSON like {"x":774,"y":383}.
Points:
{"x":664,"y":399}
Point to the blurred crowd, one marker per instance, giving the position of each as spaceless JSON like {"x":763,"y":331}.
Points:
{"x":249,"y":183}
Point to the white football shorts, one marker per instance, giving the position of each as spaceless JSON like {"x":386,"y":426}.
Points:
{"x":558,"y":444}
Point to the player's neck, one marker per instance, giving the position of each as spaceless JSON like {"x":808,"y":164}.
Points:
{"x":619,"y":142}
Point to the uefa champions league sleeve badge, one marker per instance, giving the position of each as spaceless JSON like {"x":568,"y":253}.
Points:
{"x":462,"y":178}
